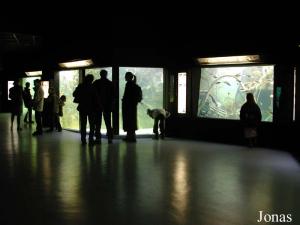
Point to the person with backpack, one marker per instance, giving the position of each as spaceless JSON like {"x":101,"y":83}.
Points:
{"x":250,"y":116}
{"x":132,"y":96}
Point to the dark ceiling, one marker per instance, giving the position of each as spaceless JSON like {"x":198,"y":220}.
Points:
{"x":181,"y":39}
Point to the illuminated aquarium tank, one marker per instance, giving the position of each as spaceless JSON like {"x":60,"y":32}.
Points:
{"x":68,"y":81}
{"x":223,"y":91}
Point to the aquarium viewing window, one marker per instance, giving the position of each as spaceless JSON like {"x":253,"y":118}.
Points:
{"x":68,"y":81}
{"x":223,"y":91}
{"x":181,"y":92}
{"x":10,"y":84}
{"x":45,"y":86}
{"x":294,"y":98}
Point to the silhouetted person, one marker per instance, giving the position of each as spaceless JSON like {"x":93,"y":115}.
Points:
{"x":38,"y":106}
{"x":28,"y":103}
{"x":132,"y":96}
{"x":61,"y":104}
{"x":104,"y":88}
{"x":86,"y":97}
{"x":53,"y":109}
{"x":159,"y":116}
{"x":16,"y":96}
{"x":250,"y":116}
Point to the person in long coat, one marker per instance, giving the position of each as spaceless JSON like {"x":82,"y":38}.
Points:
{"x":132,"y":96}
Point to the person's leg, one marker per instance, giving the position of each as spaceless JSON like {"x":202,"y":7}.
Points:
{"x":255,"y":141}
{"x":59,"y":128}
{"x":155,"y":128}
{"x":39,"y":126}
{"x":36,"y":120}
{"x":12,"y":117}
{"x":39,"y":123}
{"x":56,"y":119}
{"x":131,"y":137}
{"x":83,"y":121}
{"x":98,"y":123}
{"x":107,"y":120}
{"x":19,"y":121}
{"x":250,"y":142}
{"x":30,"y":114}
{"x":91,"y":117}
{"x":51,"y":121}
{"x":162,"y":127}
{"x":25,"y":117}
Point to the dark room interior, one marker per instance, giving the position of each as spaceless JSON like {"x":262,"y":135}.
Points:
{"x":202,"y":172}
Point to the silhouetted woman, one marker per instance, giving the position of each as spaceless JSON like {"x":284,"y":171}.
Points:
{"x":250,"y":116}
{"x":132,"y":96}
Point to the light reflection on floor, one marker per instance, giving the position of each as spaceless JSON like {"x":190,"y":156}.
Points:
{"x":52,"y":179}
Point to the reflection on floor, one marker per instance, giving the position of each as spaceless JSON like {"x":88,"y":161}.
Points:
{"x":52,"y":179}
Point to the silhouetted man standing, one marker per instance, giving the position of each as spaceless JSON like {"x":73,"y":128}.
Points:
{"x":104,"y":88}
{"x":86,"y":97}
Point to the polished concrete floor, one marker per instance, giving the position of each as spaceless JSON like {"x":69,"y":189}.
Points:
{"x":52,"y":179}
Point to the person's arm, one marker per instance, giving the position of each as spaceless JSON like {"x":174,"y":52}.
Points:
{"x":168,"y":114}
{"x":259,"y":114}
{"x":75,"y":92}
{"x":40,"y":95}
{"x":151,"y":114}
{"x":242,"y":114}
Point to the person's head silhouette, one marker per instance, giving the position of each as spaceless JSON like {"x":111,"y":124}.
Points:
{"x":148,"y":111}
{"x":250,"y":97}
{"x":103,"y":74}
{"x":129,"y":76}
{"x":89,"y":78}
